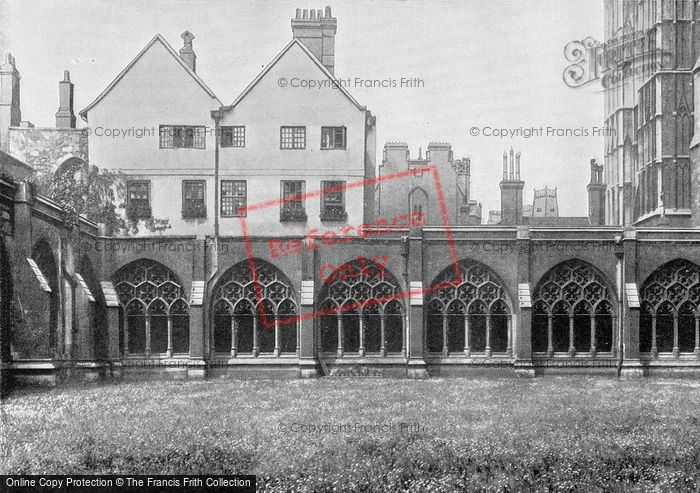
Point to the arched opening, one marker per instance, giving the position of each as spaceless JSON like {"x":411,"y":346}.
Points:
{"x":44,"y":258}
{"x":254,"y":315}
{"x":434,"y":337}
{"x":573,"y":312}
{"x":361,"y":312}
{"x":475,"y":313}
{"x":670,"y":298}
{"x":5,"y":317}
{"x":418,"y":201}
{"x":97,"y":312}
{"x":155,"y":310}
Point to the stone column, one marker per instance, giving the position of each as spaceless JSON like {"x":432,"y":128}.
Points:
{"x":113,"y":352}
{"x":308,"y":362}
{"x":631,"y":364}
{"x":196,"y":367}
{"x":523,"y":303}
{"x":416,"y":367}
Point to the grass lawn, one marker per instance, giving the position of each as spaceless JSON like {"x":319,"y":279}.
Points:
{"x":564,"y":434}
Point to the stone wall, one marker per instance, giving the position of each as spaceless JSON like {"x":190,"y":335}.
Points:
{"x":516,"y":260}
{"x":45,"y":149}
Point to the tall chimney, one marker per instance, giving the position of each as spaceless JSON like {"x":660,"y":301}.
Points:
{"x":596,"y":195}
{"x":186,"y":52}
{"x":65,"y":118}
{"x":511,"y":191}
{"x":10,"y":114}
{"x":317,"y":31}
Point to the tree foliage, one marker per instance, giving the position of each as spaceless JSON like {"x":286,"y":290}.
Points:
{"x":95,"y":193}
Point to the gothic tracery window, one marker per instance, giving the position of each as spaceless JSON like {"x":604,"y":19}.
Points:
{"x":255,"y":316}
{"x":669,"y":321}
{"x":360,"y":311}
{"x":154,"y":309}
{"x":572,"y":311}
{"x":470,"y":316}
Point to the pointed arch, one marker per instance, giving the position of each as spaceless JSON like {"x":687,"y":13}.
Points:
{"x":6,"y":293}
{"x":154,"y":308}
{"x":418,"y":200}
{"x":670,"y":299}
{"x":354,"y":289}
{"x":254,"y":312}
{"x":97,"y":311}
{"x":573,"y":311}
{"x":45,"y":260}
{"x":484,"y":327}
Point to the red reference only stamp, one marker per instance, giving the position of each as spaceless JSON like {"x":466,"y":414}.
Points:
{"x":317,"y":239}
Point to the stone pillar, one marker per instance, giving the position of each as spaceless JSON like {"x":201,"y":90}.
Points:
{"x":114,"y":355}
{"x":523,"y":307}
{"x":414,"y":303}
{"x":199,"y":335}
{"x":196,"y":367}
{"x":631,"y":314}
{"x":308,"y":362}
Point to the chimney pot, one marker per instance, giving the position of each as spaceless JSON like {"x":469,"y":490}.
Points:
{"x":317,"y":32}
{"x":328,"y":11}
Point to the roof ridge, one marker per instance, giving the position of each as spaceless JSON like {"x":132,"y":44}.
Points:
{"x":169,"y":49}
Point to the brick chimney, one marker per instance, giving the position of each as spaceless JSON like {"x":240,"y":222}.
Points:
{"x":316,"y":30}
{"x":186,"y":52}
{"x":65,"y":118}
{"x":511,"y":191}
{"x":596,"y":195}
{"x":10,"y":114}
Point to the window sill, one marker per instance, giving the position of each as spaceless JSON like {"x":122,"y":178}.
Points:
{"x":334,"y":148}
{"x":289,"y":216}
{"x":193,"y":216}
{"x":334,"y":217}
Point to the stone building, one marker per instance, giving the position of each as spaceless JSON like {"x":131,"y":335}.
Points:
{"x":419,"y":192}
{"x":528,"y":296}
{"x":649,"y":56}
{"x":45,"y":149}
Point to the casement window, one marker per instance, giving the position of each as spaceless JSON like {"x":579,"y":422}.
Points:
{"x":292,"y":207}
{"x":333,"y":137}
{"x":333,"y":201}
{"x":233,"y":198}
{"x":233,"y":136}
{"x":182,"y":137}
{"x":138,"y":199}
{"x":194,"y":199}
{"x":292,"y":137}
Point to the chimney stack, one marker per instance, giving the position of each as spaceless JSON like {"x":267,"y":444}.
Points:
{"x":65,"y":118}
{"x":186,"y":52}
{"x":317,"y":31}
{"x":511,"y":190}
{"x":596,"y":195}
{"x":10,"y":114}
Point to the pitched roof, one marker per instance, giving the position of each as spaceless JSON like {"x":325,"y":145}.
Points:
{"x":269,"y":66}
{"x":156,"y":38}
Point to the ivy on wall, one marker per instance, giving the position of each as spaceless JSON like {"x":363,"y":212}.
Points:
{"x":97,"y":194}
